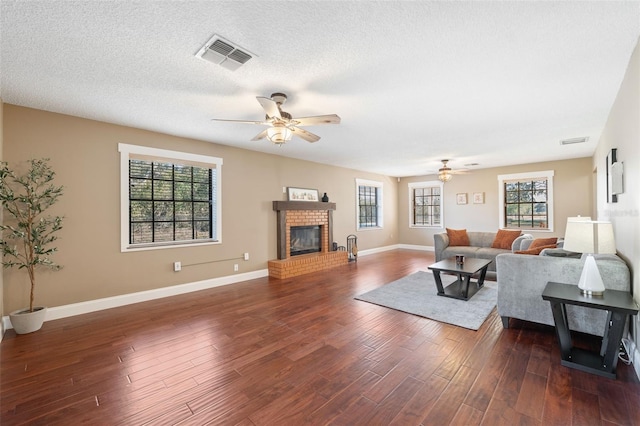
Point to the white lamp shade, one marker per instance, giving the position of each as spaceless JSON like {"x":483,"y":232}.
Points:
{"x":586,"y":236}
{"x":444,"y":176}
{"x":278,"y":134}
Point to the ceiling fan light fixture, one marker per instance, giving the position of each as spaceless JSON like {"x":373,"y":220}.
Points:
{"x":279,"y":134}
{"x":444,"y":175}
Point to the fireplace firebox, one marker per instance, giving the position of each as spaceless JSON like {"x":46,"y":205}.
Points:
{"x":305,"y":239}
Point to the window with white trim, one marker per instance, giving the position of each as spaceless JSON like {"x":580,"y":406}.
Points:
{"x":168,"y":198}
{"x":526,"y":201}
{"x":369,"y":204}
{"x":425,"y":204}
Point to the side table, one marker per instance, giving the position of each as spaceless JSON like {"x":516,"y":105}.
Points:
{"x":619,"y":304}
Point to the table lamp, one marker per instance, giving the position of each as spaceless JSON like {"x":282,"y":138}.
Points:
{"x":590,"y":237}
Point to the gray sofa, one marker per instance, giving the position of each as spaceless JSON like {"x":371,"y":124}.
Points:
{"x":522,"y":278}
{"x":479,"y":246}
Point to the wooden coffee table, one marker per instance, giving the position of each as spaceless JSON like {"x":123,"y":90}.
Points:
{"x":463,"y":288}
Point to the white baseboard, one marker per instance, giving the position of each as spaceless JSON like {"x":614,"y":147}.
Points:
{"x":395,"y":247}
{"x":376,"y":250}
{"x":416,"y":247}
{"x":635,"y":359}
{"x":73,"y":309}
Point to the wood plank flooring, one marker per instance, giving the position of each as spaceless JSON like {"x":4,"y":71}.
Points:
{"x":301,"y":351}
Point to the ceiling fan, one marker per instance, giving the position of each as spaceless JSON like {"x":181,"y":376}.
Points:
{"x":282,"y":126}
{"x":445,"y":173}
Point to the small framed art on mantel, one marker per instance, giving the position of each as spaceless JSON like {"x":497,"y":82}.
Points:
{"x":302,"y":194}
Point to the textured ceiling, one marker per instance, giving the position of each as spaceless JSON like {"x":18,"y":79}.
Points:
{"x":493,"y":83}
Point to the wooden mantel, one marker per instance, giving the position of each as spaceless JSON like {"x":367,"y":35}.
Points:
{"x":302,"y":205}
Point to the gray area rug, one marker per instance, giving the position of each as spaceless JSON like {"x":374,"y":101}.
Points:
{"x":416,"y":294}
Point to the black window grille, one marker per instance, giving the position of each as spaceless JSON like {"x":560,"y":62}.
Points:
{"x":426,"y":206}
{"x":170,"y":202}
{"x":368,"y":206}
{"x":526,"y":204}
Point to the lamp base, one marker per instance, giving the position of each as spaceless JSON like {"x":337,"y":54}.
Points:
{"x":591,"y":293}
{"x":590,"y":283}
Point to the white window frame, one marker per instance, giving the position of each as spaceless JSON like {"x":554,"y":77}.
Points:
{"x":379,"y":210}
{"x":546,"y":174}
{"x":428,"y":184}
{"x":128,"y":152}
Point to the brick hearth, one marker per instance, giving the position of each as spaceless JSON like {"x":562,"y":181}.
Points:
{"x":302,"y":213}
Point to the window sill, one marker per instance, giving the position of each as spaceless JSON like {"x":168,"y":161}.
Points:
{"x":371,"y":228}
{"x":168,"y":245}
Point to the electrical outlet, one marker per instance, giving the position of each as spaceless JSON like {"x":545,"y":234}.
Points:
{"x":246,"y":256}
{"x":177,"y":266}
{"x":235,"y":267}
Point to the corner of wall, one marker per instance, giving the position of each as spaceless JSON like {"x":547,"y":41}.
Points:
{"x":2,"y":329}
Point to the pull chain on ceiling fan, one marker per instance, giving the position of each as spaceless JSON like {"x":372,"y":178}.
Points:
{"x":282,"y":126}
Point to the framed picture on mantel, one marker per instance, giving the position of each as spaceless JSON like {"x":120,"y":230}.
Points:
{"x":302,"y":194}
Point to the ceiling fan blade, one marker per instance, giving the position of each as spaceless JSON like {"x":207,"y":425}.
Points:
{"x":261,"y":135}
{"x":303,"y":134}
{"x":270,"y":107}
{"x":266,"y":123}
{"x":317,"y":119}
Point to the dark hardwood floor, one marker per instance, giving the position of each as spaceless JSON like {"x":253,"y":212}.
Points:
{"x":296,"y":352}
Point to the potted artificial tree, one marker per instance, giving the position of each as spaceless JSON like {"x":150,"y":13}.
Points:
{"x":27,"y":233}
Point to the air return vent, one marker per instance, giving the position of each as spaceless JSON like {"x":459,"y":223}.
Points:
{"x":574,"y":140}
{"x":224,"y":53}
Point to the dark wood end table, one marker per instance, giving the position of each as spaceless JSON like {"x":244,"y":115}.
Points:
{"x":462,"y":288}
{"x":619,"y":304}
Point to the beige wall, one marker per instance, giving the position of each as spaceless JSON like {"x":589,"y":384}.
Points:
{"x":573,"y":195}
{"x":622,"y":132}
{"x":85,"y":156}
{"x":1,"y":275}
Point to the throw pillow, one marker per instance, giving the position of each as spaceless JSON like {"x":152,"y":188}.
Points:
{"x":563,"y":253}
{"x":504,"y":238}
{"x":539,"y":242}
{"x":535,"y":251}
{"x":458,"y":237}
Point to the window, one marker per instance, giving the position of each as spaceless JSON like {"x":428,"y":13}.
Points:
{"x":526,"y":201}
{"x":369,"y":202}
{"x":425,"y":204}
{"x":168,"y":198}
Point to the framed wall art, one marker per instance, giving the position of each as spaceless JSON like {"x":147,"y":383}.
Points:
{"x":461,"y":198}
{"x":478,"y":198}
{"x":615,"y":170}
{"x":302,"y":194}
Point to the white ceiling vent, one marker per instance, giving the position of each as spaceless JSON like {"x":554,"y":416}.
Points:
{"x":224,"y":53}
{"x":574,"y":140}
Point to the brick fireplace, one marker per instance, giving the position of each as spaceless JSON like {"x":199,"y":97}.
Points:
{"x":304,"y":213}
